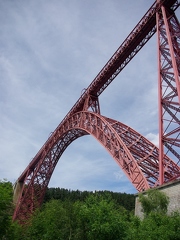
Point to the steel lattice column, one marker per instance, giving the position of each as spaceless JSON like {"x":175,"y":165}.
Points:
{"x":168,"y":32}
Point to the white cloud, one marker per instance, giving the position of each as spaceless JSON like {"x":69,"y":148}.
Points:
{"x":154,"y":138}
{"x":118,"y":175}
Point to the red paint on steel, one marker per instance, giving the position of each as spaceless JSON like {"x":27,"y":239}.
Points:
{"x":138,"y":157}
{"x":168,"y":30}
{"x":143,"y":31}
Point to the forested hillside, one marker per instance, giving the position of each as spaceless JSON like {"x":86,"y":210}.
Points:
{"x":100,"y":215}
{"x":122,"y":199}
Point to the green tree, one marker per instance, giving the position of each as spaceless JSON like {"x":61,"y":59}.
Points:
{"x":123,"y":199}
{"x":154,"y":201}
{"x":51,"y":222}
{"x":8,"y":230}
{"x":156,"y":226}
{"x":6,"y":194}
{"x":100,"y":218}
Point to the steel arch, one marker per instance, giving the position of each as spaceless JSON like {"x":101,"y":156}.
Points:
{"x":146,"y":154}
{"x":137,"y":157}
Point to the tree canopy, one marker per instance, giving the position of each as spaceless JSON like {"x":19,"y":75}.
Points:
{"x":123,"y":199}
{"x":100,"y":215}
{"x":154,"y":201}
{"x":6,"y":194}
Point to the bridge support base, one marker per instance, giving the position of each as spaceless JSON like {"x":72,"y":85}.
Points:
{"x":17,"y":190}
{"x":172,"y":190}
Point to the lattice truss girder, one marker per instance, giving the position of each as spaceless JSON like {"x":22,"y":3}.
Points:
{"x":169,"y":83}
{"x":134,"y":42}
{"x":137,"y":157}
{"x":36,"y":177}
{"x":146,"y":154}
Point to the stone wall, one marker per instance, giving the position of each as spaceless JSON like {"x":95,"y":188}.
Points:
{"x":172,"y":190}
{"x":17,"y":190}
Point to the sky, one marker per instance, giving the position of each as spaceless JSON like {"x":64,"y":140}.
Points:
{"x":49,"y":52}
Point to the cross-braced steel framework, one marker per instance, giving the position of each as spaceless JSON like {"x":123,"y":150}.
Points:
{"x":145,"y":165}
{"x":168,"y":32}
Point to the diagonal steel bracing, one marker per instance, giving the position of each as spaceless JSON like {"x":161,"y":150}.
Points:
{"x":136,"y":156}
{"x":168,"y":32}
{"x":145,"y":165}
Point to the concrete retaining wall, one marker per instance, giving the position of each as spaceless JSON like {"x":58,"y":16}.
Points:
{"x":172,"y":190}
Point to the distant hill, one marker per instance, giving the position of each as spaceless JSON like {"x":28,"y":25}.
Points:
{"x":123,"y":199}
